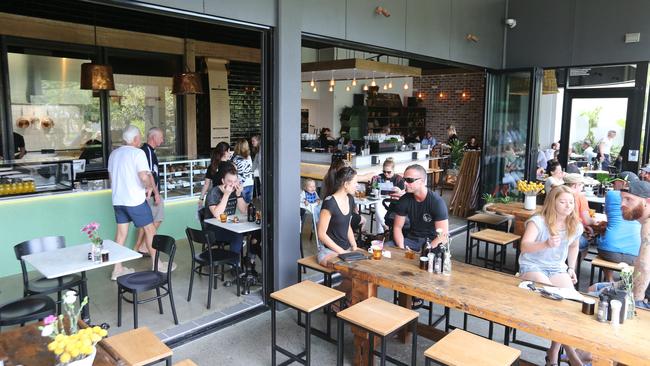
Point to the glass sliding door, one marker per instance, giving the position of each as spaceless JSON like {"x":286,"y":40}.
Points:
{"x":511,"y":101}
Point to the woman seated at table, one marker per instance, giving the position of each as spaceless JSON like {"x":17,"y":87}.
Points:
{"x":550,"y":238}
{"x":555,"y":175}
{"x":334,"y":231}
{"x":226,"y":198}
{"x":328,"y":188}
{"x":387,"y":176}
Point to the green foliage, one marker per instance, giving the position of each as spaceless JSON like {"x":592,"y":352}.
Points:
{"x":456,"y":152}
{"x":593,"y":116}
{"x":602,"y":178}
{"x":505,"y":199}
{"x":488,"y":198}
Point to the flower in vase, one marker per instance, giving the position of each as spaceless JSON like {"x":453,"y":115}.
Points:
{"x":70,"y":297}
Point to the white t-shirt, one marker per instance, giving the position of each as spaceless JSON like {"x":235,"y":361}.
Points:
{"x":589,"y":153}
{"x":124,"y":163}
{"x":606,"y":145}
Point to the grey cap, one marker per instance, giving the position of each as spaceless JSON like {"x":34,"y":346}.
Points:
{"x":627,"y":176}
{"x":640,"y":188}
{"x":646,"y":168}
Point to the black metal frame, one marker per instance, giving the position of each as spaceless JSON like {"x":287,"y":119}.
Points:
{"x":371,"y":344}
{"x":308,"y":331}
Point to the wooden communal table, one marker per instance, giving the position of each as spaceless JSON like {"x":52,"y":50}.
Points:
{"x":517,"y":210}
{"x":495,"y":296}
{"x":25,"y":346}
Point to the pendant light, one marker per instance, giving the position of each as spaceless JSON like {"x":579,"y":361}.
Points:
{"x":315,"y":89}
{"x":406,"y":86}
{"x":365,"y":87}
{"x":332,"y":82}
{"x":385,"y":83}
{"x":312,"y":83}
{"x":187,"y":82}
{"x":95,"y":76}
{"x":373,"y":82}
{"x":390,"y":82}
{"x":331,"y":89}
{"x":354,"y":77}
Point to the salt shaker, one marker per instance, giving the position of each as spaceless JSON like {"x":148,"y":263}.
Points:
{"x":431,"y":259}
{"x":603,"y":309}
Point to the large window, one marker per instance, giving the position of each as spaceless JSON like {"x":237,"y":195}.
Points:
{"x":144,"y":101}
{"x":48,"y":109}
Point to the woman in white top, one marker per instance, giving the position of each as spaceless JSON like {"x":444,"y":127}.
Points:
{"x":555,"y":175}
{"x":244,"y":163}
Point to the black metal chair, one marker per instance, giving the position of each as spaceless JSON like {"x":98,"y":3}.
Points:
{"x":42,"y":285}
{"x":138,"y":282}
{"x":211,"y":257}
{"x":27,"y":309}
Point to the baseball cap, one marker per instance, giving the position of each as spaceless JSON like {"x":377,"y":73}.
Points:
{"x":626,"y":176}
{"x":646,"y":168}
{"x":639,"y":188}
{"x":572,"y":178}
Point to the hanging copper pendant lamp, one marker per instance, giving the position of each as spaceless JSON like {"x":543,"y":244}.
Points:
{"x":187,"y":83}
{"x":96,"y":77}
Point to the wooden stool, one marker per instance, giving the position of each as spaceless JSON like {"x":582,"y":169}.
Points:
{"x":185,"y":362}
{"x":479,"y":220}
{"x":460,"y":348}
{"x":305,"y":297}
{"x":312,"y":263}
{"x":381,"y":318}
{"x":139,"y":347}
{"x":497,"y":239}
{"x":601,"y":264}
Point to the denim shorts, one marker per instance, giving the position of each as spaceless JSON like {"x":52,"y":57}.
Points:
{"x":548,"y":272}
{"x":324,"y":252}
{"x":140,"y":214}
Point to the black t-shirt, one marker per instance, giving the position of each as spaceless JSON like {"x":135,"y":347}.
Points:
{"x":422,"y":215}
{"x":214,"y":198}
{"x":152,"y":159}
{"x":339,"y":224}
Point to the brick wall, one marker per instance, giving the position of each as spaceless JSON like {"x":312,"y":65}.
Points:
{"x":466,"y":113}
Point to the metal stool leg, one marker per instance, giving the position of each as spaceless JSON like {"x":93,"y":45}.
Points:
{"x":383,"y":351}
{"x":371,"y":348}
{"x":307,"y":339}
{"x":414,"y":346}
{"x":273,"y":340}
{"x":340,"y":342}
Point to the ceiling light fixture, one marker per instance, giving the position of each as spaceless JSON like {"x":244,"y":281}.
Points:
{"x":390,"y":82}
{"x":315,"y":89}
{"x":331,"y":89}
{"x":96,"y":76}
{"x":354,"y":77}
{"x":312,"y":83}
{"x":365,"y":87}
{"x":406,"y":86}
{"x":373,"y":82}
{"x":332,"y":82}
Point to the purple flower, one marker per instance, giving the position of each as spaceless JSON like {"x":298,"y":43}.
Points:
{"x":49,"y":320}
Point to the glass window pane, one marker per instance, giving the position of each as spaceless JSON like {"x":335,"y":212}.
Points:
{"x":48,"y":108}
{"x":507,"y":131}
{"x":144,"y":101}
{"x":602,"y":76}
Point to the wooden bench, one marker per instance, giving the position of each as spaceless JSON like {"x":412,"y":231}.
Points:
{"x":139,"y":347}
{"x":498,"y":239}
{"x":379,"y":318}
{"x":460,"y":348}
{"x":601,"y":264}
{"x":478,"y":221}
{"x":306,"y":297}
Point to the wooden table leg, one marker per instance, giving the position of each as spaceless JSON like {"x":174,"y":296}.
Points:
{"x":405,"y":301}
{"x":601,"y":361}
{"x":361,"y":290}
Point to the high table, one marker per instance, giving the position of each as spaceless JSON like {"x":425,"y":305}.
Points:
{"x":74,"y":259}
{"x":495,"y":296}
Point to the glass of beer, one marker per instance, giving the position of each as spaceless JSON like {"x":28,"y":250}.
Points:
{"x":258,"y":215}
{"x":223,"y":217}
{"x":376,"y":252}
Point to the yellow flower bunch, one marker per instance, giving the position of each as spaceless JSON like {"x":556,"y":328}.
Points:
{"x":76,"y":346}
{"x":530,"y":188}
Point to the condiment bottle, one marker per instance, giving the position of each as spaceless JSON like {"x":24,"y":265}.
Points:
{"x":603,"y":309}
{"x":616,"y":311}
{"x":437,"y":267}
{"x":431,"y":260}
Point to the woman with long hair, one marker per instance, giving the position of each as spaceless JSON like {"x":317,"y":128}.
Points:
{"x":220,"y":153}
{"x":550,"y":241}
{"x":555,"y":175}
{"x":244,"y":163}
{"x":329,"y":187}
{"x":334,"y":230}
{"x":256,"y":154}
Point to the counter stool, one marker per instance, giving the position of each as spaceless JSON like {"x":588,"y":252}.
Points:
{"x":306,"y":297}
{"x":311,"y":262}
{"x":460,"y":348}
{"x":380,"y":318}
{"x":498,"y":239}
{"x":139,"y":347}
{"x":24,"y":310}
{"x":481,"y":221}
{"x":601,"y":264}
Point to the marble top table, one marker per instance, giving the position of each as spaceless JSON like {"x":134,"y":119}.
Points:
{"x":243,"y":226}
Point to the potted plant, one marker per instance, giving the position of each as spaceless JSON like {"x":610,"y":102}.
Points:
{"x":72,"y":346}
{"x":530,"y":190}
{"x":603,"y":179}
{"x":488,"y":200}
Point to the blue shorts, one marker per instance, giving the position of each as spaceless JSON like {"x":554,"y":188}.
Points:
{"x":548,"y":272}
{"x":140,"y":214}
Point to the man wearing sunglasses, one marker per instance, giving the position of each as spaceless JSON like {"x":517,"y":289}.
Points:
{"x":425,"y":209}
{"x":388,"y":176}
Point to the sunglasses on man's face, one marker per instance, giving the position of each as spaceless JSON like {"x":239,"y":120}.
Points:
{"x":388,"y":171}
{"x":410,"y":180}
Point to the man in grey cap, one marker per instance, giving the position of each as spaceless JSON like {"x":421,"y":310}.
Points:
{"x":644,"y":173}
{"x":635,"y":205}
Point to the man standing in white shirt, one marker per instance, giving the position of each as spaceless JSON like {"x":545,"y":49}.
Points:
{"x":605,"y":148}
{"x":131,"y":186}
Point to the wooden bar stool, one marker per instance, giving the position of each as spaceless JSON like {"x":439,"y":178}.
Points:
{"x":311,"y":262}
{"x":500,"y":240}
{"x":306,"y":297}
{"x":601,"y":264}
{"x":380,"y":318}
{"x":139,"y":347}
{"x":185,"y":362}
{"x":491,"y":221}
{"x":460,"y":348}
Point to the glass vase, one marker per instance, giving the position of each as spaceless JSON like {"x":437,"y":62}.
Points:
{"x":629,"y":306}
